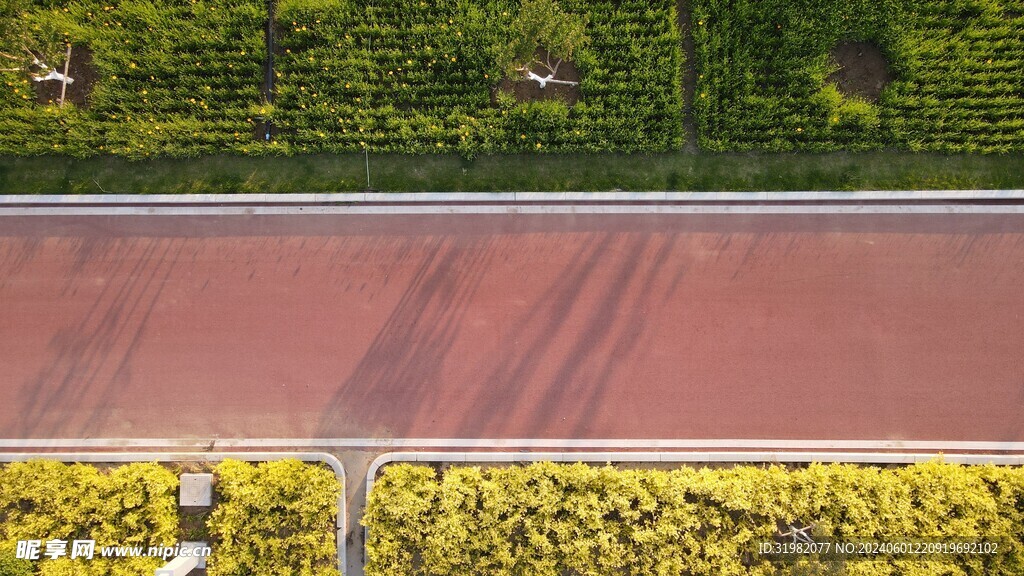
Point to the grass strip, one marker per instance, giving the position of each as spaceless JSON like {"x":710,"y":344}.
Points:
{"x":435,"y":173}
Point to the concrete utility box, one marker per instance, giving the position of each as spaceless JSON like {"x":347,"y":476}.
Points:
{"x":184,"y":564}
{"x":195,"y":548}
{"x":196,"y":490}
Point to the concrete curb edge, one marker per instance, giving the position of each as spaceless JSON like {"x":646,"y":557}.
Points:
{"x":507,"y":197}
{"x":501,"y":444}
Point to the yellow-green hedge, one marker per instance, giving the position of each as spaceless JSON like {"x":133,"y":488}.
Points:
{"x":132,"y":505}
{"x":553,"y":519}
{"x":275,"y":518}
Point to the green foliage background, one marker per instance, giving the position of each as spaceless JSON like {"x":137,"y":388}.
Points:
{"x":174,"y":78}
{"x":763,"y":64}
{"x":412,"y":76}
{"x":182,"y":78}
{"x":553,"y":519}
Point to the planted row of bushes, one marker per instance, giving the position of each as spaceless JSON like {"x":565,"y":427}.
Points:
{"x":184,"y":77}
{"x":764,"y":65}
{"x":271,"y":518}
{"x":417,"y":77}
{"x":171,"y":77}
{"x":553,"y":519}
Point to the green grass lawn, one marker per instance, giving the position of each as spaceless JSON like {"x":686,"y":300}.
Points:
{"x":677,"y":171}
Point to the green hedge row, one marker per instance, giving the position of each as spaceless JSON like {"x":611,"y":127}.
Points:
{"x":184,"y":77}
{"x":956,"y":83}
{"x":171,"y":77}
{"x":553,"y":519}
{"x":418,"y":77}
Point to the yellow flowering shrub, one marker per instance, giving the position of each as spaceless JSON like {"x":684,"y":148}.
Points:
{"x":274,"y":518}
{"x":132,"y":505}
{"x":555,"y":519}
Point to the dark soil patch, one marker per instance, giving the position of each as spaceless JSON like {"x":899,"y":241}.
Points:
{"x":530,"y":91}
{"x":863,"y":70}
{"x":1012,"y":14}
{"x":279,"y":31}
{"x":271,"y":33}
{"x":192,"y":525}
{"x":259,"y":132}
{"x":83,"y":73}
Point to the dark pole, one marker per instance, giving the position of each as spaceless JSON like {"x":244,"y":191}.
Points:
{"x":366,"y":150}
{"x":268,"y":76}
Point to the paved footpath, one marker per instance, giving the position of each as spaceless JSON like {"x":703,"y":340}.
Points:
{"x":855,"y":326}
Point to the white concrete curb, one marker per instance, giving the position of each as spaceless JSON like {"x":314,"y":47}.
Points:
{"x":506,"y":209}
{"x":747,"y":444}
{"x":125,"y":457}
{"x":376,"y":203}
{"x":506,"y":197}
{"x":703,"y":457}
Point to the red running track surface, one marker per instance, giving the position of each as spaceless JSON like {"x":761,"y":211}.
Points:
{"x":510,"y":326}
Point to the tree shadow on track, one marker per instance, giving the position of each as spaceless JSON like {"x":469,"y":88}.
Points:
{"x":588,"y":324}
{"x":412,"y":352}
{"x":411,"y":226}
{"x":612,"y":327}
{"x":409,"y":351}
{"x":89,"y":358}
{"x":536,"y":334}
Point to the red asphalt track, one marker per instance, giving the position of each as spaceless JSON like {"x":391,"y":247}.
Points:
{"x":865,"y":327}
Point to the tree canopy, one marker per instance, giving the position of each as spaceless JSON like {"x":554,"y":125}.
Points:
{"x":28,"y":36}
{"x":542,"y":24}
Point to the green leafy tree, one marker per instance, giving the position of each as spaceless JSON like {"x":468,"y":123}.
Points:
{"x":13,"y":35}
{"x":27,"y":41}
{"x":543,"y":35}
